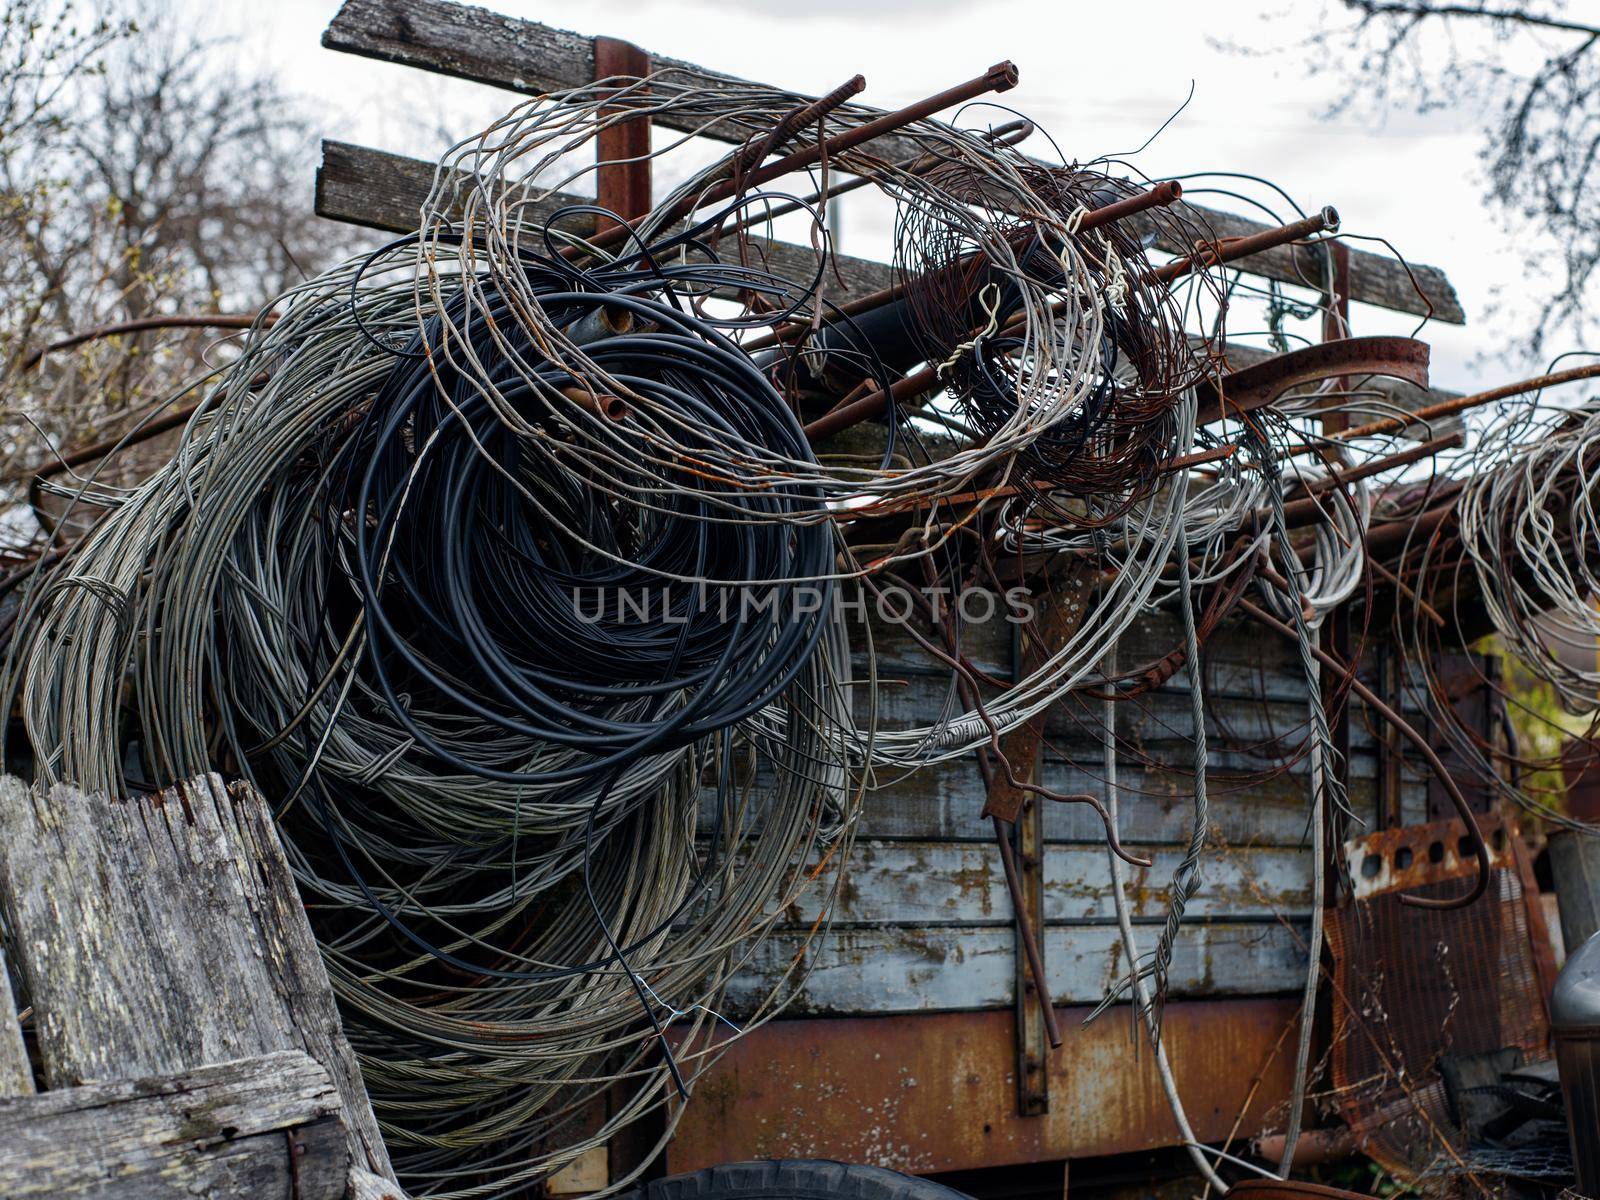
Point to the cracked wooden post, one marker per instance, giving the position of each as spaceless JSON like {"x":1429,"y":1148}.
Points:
{"x":164,"y":934}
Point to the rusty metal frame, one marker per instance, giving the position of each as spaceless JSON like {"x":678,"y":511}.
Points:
{"x":1033,"y":1043}
{"x":1252,"y":387}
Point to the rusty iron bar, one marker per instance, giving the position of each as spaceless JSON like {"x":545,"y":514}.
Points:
{"x":918,"y":382}
{"x":622,"y":150}
{"x":998,"y":78}
{"x":1217,"y":253}
{"x":792,"y":123}
{"x":1303,"y":510}
{"x":1009,"y":134}
{"x":1199,"y":458}
{"x":1026,"y":933}
{"x":1161,"y":195}
{"x":98,"y":450}
{"x":1448,"y":408}
{"x":144,"y":324}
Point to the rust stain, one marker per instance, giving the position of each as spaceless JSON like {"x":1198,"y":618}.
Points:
{"x":935,"y":1092}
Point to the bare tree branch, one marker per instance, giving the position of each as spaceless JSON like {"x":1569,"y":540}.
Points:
{"x":1535,"y":74}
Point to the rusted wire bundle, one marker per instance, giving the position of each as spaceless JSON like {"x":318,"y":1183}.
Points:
{"x":1505,"y":543}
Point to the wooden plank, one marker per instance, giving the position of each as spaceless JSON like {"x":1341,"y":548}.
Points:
{"x":961,"y":883}
{"x":364,"y":1185}
{"x":16,"y":1075}
{"x":943,"y":802}
{"x":155,"y":943}
{"x":474,"y":43}
{"x":891,"y":968}
{"x":385,"y":191}
{"x":258,"y":1127}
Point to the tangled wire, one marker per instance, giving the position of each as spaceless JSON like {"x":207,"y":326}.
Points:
{"x":501,"y":560}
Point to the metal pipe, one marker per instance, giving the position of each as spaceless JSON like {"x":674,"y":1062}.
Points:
{"x":915,"y":384}
{"x":1268,"y":239}
{"x":1162,"y":194}
{"x":1447,"y":408}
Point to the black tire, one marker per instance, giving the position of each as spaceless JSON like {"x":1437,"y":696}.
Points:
{"x":794,"y":1179}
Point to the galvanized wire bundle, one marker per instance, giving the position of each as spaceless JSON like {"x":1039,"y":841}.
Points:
{"x":533,"y":834}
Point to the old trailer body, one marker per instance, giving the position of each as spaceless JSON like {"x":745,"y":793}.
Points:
{"x":907,"y":1045}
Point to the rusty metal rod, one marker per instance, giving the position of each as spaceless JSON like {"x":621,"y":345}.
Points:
{"x":1304,"y":509}
{"x":1010,"y":134}
{"x":874,"y":403}
{"x":98,"y":450}
{"x":1030,"y":944}
{"x":999,"y":78}
{"x":1161,"y":195}
{"x":1447,"y":408}
{"x":142,"y":324}
{"x":792,"y":122}
{"x":1268,"y":239}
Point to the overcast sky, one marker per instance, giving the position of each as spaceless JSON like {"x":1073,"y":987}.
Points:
{"x":1100,"y":78}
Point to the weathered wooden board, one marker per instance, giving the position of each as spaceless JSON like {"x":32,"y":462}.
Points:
{"x":16,"y":1076}
{"x":242,"y":1130}
{"x":890,"y":968}
{"x":942,"y":803}
{"x":474,"y":43}
{"x":961,"y":883}
{"x":364,"y":1185}
{"x":386,"y":191}
{"x":165,"y":933}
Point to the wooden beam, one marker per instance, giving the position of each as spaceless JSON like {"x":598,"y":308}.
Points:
{"x":364,"y":1185}
{"x":163,"y":933}
{"x":475,"y":43}
{"x":16,"y":1076}
{"x":256,"y":1127}
{"x":386,"y":191}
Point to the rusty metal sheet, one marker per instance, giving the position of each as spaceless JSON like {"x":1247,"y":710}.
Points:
{"x":938,"y":1092}
{"x":1250,"y":388}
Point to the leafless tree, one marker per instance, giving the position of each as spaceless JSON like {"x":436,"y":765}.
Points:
{"x":1534,"y":72}
{"x":142,"y":172}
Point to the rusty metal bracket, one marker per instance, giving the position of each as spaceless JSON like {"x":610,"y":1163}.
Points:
{"x":1033,"y":1075}
{"x":1252,"y":387}
{"x":1018,"y":817}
